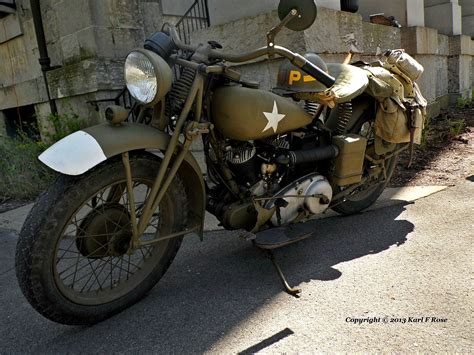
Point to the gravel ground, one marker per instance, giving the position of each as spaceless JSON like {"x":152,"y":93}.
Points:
{"x":447,"y":157}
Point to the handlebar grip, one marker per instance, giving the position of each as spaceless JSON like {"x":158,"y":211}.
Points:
{"x":317,"y":73}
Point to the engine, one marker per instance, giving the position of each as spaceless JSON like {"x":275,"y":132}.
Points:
{"x":281,"y":171}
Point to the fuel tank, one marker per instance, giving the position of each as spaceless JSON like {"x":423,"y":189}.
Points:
{"x":249,"y":114}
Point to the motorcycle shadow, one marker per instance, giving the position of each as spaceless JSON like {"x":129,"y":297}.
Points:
{"x":215,"y":286}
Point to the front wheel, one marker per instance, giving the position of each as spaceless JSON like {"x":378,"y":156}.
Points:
{"x":73,"y":261}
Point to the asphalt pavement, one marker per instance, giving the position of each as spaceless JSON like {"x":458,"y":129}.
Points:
{"x":398,"y":278}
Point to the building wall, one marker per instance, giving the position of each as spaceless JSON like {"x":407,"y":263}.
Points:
{"x":88,"y":40}
{"x":447,"y":59}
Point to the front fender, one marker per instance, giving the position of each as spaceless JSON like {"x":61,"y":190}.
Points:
{"x":85,"y":149}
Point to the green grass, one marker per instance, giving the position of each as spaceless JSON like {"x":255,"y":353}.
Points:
{"x":456,"y":127}
{"x":463,"y":102}
{"x":22,"y":175}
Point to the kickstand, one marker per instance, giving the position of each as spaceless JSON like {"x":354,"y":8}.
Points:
{"x":290,"y":290}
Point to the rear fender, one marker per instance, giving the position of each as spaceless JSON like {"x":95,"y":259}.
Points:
{"x":85,"y":149}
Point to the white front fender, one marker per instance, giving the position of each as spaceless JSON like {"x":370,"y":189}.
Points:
{"x":74,"y":154}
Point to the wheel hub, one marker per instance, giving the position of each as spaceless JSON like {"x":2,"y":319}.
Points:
{"x":105,"y":231}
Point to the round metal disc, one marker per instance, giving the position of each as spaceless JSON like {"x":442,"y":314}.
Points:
{"x":307,"y":12}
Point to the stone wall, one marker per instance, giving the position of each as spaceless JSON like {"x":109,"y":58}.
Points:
{"x":87,"y":40}
{"x":447,"y":60}
{"x":20,"y":73}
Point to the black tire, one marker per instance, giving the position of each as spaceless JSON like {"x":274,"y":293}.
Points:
{"x":358,"y":202}
{"x":37,"y":256}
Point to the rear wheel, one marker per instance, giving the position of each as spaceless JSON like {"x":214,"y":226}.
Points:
{"x":366,"y":195}
{"x":72,"y":258}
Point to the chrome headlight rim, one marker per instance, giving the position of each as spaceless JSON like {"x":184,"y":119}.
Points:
{"x":162,"y":76}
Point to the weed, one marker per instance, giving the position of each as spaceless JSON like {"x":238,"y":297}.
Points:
{"x":63,"y":125}
{"x":22,"y":175}
{"x":463,"y":102}
{"x":456,"y":127}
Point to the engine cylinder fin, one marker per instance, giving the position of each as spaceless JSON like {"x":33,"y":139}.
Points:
{"x":344,"y":112}
{"x":311,"y":107}
{"x":279,"y":142}
{"x":240,"y":155}
{"x":179,"y":92}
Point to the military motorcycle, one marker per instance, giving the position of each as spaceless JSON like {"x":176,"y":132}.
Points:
{"x":327,"y":137}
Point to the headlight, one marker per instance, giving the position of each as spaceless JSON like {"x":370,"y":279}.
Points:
{"x":147,"y":76}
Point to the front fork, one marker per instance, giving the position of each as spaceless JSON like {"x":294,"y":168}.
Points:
{"x":192,"y":131}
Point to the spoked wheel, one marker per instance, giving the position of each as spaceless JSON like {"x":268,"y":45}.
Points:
{"x":366,"y":195}
{"x":74,"y":261}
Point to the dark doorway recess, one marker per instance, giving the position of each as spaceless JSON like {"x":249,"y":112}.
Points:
{"x":22,"y":120}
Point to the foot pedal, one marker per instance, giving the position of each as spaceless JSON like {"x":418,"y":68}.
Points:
{"x":247,"y":236}
{"x":279,"y":237}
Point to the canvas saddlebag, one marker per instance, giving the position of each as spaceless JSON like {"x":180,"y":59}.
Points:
{"x":402,"y":111}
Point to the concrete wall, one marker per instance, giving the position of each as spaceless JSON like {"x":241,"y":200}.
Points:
{"x":447,"y":60}
{"x":223,"y":11}
{"x":407,"y":12}
{"x":20,"y":72}
{"x":467,"y":17}
{"x":444,"y":15}
{"x":87,"y":39}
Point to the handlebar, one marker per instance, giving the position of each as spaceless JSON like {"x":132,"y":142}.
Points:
{"x":295,"y":59}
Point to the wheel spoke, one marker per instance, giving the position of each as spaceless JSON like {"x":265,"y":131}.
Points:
{"x":88,"y":273}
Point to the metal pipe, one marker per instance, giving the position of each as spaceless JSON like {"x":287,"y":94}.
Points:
{"x":44,"y":59}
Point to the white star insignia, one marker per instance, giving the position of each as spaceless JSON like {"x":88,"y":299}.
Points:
{"x":273,"y":118}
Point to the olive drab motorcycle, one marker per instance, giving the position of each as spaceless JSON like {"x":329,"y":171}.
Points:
{"x":326,"y":137}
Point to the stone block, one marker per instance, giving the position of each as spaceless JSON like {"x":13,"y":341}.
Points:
{"x":443,"y":44}
{"x":459,"y":45}
{"x":77,"y":107}
{"x":225,"y":11}
{"x":117,"y":42}
{"x":70,"y":48}
{"x":433,"y":109}
{"x":74,"y":47}
{"x":329,"y":4}
{"x":468,"y":25}
{"x":73,"y":16}
{"x":173,"y":7}
{"x":459,"y":74}
{"x":10,"y":27}
{"x":46,"y":127}
{"x":446,"y":18}
{"x":467,"y":7}
{"x":110,"y":74}
{"x":152,"y":18}
{"x":333,"y":31}
{"x":441,"y":66}
{"x":24,"y":93}
{"x":429,"y":3}
{"x":420,"y":40}
{"x":51,"y":25}
{"x":31,"y":47}
{"x":265,"y":73}
{"x":117,"y":13}
{"x":74,"y":79}
{"x":378,"y":38}
{"x":428,"y":81}
{"x":247,"y":34}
